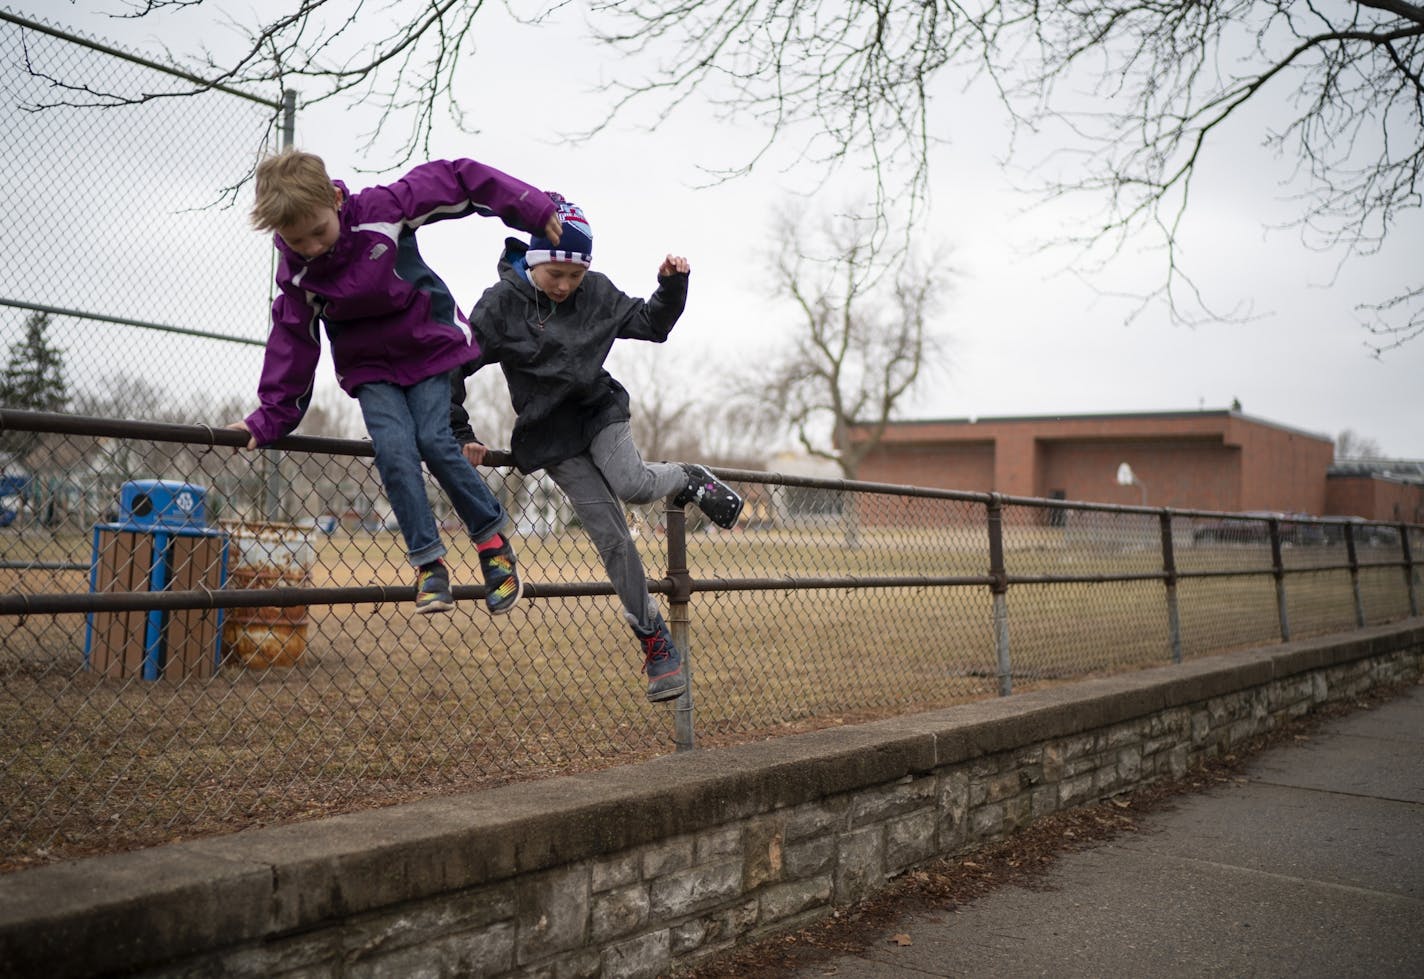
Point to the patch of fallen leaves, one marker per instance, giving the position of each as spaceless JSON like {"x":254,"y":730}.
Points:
{"x":1022,"y":860}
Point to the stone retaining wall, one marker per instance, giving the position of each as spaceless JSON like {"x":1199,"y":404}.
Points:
{"x":630,"y":871}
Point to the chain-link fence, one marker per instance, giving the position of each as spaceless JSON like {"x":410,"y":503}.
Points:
{"x":122,"y":184}
{"x":196,"y":640}
{"x":176,"y":664}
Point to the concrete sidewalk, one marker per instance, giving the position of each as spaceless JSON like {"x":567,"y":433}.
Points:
{"x":1312,"y":866}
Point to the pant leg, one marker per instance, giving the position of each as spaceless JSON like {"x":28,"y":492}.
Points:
{"x":393,"y":429}
{"x":477,"y":506}
{"x":631,"y":479}
{"x":602,"y":514}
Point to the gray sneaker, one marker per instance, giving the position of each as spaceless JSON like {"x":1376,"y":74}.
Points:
{"x":662,"y":661}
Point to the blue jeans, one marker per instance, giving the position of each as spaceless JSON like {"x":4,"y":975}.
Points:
{"x":411,"y":424}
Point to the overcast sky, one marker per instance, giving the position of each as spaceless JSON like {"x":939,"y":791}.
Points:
{"x":1026,"y":337}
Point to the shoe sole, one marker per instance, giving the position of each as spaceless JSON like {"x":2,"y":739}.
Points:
{"x":433,"y":607}
{"x":504,"y":609}
{"x":728,"y":524}
{"x":657,"y":698}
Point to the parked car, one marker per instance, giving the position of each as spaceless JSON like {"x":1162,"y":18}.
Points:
{"x":1302,"y":529}
{"x":1249,"y":528}
{"x":1366,"y":534}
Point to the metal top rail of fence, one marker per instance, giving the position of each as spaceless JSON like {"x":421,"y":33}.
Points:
{"x":242,"y":650}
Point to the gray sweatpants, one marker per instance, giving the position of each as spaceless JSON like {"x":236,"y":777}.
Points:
{"x":597,"y":483}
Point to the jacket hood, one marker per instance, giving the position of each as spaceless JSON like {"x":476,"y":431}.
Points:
{"x":511,"y":263}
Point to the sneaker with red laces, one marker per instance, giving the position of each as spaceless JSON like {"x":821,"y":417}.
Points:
{"x":502,"y":584}
{"x":432,"y":589}
{"x":662,"y":662}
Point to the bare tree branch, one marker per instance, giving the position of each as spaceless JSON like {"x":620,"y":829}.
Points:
{"x":1162,"y":80}
{"x":1142,"y":92}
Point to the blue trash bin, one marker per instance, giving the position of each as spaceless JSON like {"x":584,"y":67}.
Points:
{"x":160,"y":540}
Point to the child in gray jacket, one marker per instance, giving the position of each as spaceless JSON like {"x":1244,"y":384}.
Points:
{"x":550,"y":323}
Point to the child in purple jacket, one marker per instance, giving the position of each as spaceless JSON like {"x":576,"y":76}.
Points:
{"x":350,"y":263}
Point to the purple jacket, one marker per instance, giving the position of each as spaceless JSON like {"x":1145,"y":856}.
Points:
{"x":388,"y":316}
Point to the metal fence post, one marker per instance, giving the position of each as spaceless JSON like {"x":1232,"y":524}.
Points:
{"x":1169,"y":572}
{"x":1355,"y":575}
{"x":289,"y":118}
{"x":999,"y":587}
{"x":273,"y":490}
{"x":1409,"y":570}
{"x":679,"y":620}
{"x":1278,"y":571}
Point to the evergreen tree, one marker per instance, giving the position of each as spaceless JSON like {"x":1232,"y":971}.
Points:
{"x":33,"y":379}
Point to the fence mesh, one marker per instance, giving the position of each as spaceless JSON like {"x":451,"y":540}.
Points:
{"x":140,"y":701}
{"x":122,"y":182}
{"x":846,"y":648}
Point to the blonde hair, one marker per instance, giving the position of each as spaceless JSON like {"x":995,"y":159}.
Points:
{"x":291,"y":186}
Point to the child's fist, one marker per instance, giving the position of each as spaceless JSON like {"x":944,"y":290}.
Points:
{"x":242,"y":427}
{"x":673,"y":263}
{"x":473,"y":451}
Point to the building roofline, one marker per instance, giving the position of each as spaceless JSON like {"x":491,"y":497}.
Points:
{"x":1108,"y":416}
{"x":1406,"y":471}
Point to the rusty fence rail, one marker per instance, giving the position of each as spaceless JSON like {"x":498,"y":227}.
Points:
{"x":197,"y":639}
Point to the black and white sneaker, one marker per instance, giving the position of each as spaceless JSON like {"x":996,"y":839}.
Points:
{"x":720,"y":502}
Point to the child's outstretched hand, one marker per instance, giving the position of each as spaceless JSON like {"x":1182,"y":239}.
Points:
{"x":673,"y":263}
